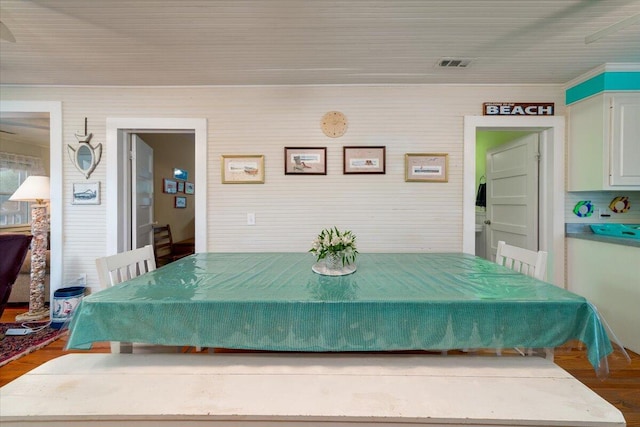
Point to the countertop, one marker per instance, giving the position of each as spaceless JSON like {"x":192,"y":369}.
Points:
{"x":583,"y":231}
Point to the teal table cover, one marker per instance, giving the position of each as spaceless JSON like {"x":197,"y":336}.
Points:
{"x":400,"y":301}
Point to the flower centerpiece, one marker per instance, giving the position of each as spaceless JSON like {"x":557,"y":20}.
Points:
{"x":337,"y":249}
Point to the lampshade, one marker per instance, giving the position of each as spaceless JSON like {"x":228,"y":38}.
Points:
{"x":34,"y":188}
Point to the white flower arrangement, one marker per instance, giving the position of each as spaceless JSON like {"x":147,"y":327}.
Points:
{"x":333,"y":241}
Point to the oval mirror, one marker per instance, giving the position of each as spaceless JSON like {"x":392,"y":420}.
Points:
{"x":84,"y":158}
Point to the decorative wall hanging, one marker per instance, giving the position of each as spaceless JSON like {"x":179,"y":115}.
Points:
{"x":305,"y":160}
{"x":181,"y":202}
{"x":180,"y":174}
{"x":86,"y":193}
{"x":85,"y":157}
{"x":180,"y":188}
{"x":620,"y":204}
{"x":583,"y":208}
{"x":189,"y":188}
{"x":240,"y":169}
{"x":426,"y":167}
{"x":169,"y":186}
{"x":364,"y":159}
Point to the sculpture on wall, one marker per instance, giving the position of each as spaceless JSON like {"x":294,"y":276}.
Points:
{"x":85,"y":157}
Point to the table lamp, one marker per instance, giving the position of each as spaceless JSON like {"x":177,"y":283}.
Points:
{"x":36,"y":189}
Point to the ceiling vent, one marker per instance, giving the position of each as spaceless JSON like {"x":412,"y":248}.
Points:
{"x":454,"y":62}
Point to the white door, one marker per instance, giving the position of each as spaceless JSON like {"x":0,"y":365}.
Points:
{"x":141,"y":193}
{"x":512,"y":194}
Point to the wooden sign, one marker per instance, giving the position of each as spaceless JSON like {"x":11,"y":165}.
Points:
{"x":518,"y":108}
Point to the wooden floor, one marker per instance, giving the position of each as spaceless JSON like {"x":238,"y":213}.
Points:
{"x":621,"y":388}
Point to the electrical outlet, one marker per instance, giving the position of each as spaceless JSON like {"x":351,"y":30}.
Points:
{"x":82,"y":279}
{"x":251,"y":219}
{"x":604,"y":213}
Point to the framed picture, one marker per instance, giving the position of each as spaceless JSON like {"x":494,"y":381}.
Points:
{"x":364,"y":159}
{"x":180,"y":174}
{"x":169,"y":186}
{"x":426,"y":167}
{"x":181,"y":202}
{"x":189,"y":188}
{"x":241,"y":169}
{"x":180,"y":186}
{"x":86,"y":193}
{"x":305,"y":160}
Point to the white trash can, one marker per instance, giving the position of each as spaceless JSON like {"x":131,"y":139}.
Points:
{"x":65,"y":301}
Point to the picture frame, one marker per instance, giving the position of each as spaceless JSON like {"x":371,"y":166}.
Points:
{"x":305,"y":160}
{"x":180,"y":187}
{"x":169,"y":186}
{"x":241,"y":169}
{"x":180,"y":202}
{"x":189,"y":188}
{"x":362,"y":159}
{"x":426,"y":167}
{"x":86,"y":193}
{"x":180,"y":174}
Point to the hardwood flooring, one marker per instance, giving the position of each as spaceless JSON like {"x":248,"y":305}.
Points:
{"x":621,"y":387}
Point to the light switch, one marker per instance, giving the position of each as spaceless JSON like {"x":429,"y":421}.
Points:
{"x":251,"y":219}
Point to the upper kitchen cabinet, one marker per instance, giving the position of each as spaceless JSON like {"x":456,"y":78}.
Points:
{"x":604,"y":132}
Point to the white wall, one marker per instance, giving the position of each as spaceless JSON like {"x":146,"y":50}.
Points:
{"x":386,"y":213}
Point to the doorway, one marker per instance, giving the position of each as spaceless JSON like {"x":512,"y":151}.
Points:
{"x":54,"y":110}
{"x":164,"y":152}
{"x":118,"y":179}
{"x":551,"y":191}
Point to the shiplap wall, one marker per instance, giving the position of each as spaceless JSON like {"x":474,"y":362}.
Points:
{"x":386,"y":213}
{"x":601,"y":200}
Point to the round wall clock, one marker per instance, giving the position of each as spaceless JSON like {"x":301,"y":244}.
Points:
{"x":334,"y":124}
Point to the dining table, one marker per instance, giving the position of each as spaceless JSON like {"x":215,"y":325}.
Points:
{"x":391,"y":302}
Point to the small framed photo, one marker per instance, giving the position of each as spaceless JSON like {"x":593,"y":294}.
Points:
{"x":86,"y":193}
{"x":169,"y":186}
{"x":181,"y":202}
{"x":189,"y":188}
{"x":180,"y":187}
{"x":364,"y":159}
{"x":241,"y":169}
{"x":180,"y":174}
{"x":305,"y":160}
{"x":426,"y":167}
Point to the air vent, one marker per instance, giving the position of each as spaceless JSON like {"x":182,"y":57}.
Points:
{"x":454,"y":62}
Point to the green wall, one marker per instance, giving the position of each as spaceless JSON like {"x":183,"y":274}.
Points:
{"x":489,"y":139}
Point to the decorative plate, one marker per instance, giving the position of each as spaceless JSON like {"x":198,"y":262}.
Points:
{"x":583,"y":208}
{"x":620,"y":204}
{"x":321,"y":268}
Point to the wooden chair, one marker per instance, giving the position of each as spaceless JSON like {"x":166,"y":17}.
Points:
{"x":523,"y":261}
{"x":117,"y":268}
{"x":164,"y":247}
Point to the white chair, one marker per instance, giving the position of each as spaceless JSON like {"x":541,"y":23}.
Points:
{"x":117,"y":268}
{"x":124,"y":266}
{"x":523,"y":261}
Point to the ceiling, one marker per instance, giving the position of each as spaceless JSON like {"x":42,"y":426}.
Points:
{"x":275,"y":42}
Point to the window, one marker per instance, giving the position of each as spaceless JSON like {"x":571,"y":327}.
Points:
{"x":14,"y":169}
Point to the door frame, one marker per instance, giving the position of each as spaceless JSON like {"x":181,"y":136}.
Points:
{"x":551,"y":189}
{"x":118,"y":174}
{"x":56,"y":207}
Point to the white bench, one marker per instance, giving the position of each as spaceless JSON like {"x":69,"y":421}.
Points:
{"x":270,"y":389}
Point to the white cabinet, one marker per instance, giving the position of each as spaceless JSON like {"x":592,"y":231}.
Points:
{"x":607,"y":274}
{"x":604,"y":142}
